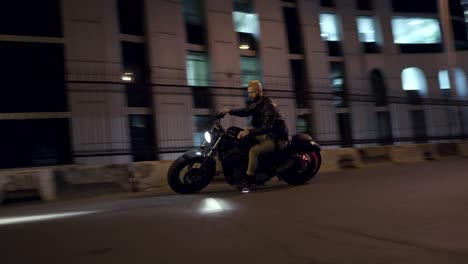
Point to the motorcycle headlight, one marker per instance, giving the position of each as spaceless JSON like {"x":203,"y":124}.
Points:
{"x":208,"y":137}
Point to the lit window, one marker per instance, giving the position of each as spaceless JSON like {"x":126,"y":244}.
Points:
{"x":444,"y":81}
{"x":407,"y":30}
{"x":197,"y":69}
{"x":246,"y":23}
{"x":460,"y":82}
{"x":414,"y":79}
{"x":329,"y":29}
{"x":366,"y":29}
{"x":249,"y":69}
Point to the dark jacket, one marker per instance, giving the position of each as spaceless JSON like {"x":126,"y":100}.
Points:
{"x":266,"y":118}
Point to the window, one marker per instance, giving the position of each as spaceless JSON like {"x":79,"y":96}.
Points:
{"x":368,"y":34}
{"x":299,"y":82}
{"x":346,"y":134}
{"x":134,"y":61}
{"x":413,"y":30}
{"x":250,"y":70}
{"x":194,"y":21}
{"x":131,"y":17}
{"x":197,"y":68}
{"x":414,"y":79}
{"x":460,"y":83}
{"x":415,"y":6}
{"x":32,"y":77}
{"x":378,"y":88}
{"x":418,"y":119}
{"x":384,"y":128}
{"x":246,"y":24}
{"x":327,"y":3}
{"x":303,"y":124}
{"x":293,"y":29}
{"x":141,"y":134}
{"x":329,"y":29}
{"x":414,"y":83}
{"x":34,"y":142}
{"x":366,"y":29}
{"x":444,"y":83}
{"x":364,"y":4}
{"x":31,"y":18}
{"x":337,"y":83}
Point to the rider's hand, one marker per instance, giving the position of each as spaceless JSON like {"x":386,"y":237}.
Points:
{"x":243,"y":134}
{"x":225,"y":111}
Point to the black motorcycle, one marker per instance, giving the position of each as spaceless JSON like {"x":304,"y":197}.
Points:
{"x":296,"y":164}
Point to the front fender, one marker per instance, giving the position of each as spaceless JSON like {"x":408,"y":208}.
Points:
{"x":194,"y":153}
{"x":209,"y":162}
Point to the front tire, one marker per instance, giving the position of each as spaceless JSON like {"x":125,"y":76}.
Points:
{"x":294,"y":176}
{"x":187,"y":175}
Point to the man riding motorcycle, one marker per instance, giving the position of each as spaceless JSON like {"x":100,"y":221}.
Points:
{"x":269,"y":127}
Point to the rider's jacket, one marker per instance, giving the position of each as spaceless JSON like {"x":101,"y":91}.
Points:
{"x":266,"y":118}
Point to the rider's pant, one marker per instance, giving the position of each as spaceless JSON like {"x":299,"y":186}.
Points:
{"x":264,"y":147}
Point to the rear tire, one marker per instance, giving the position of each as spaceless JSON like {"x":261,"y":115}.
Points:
{"x":295,"y":177}
{"x":186,"y":175}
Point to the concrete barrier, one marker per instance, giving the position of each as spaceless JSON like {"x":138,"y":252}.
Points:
{"x":407,"y":153}
{"x":337,"y":159}
{"x":375,"y":155}
{"x":79,"y":180}
{"x":71,"y":181}
{"x":27,"y":182}
{"x":463,"y":148}
{"x":151,"y":174}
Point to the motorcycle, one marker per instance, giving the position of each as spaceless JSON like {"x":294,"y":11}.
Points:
{"x":296,"y":164}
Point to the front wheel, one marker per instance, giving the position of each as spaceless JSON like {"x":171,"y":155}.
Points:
{"x":190,"y":175}
{"x":306,"y":166}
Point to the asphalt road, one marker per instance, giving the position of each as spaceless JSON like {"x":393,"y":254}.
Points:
{"x":411,"y":213}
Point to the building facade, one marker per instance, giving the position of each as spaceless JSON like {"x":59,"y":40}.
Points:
{"x":116,"y":81}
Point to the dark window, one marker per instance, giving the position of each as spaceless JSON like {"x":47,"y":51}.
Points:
{"x":346,"y":134}
{"x":303,"y":124}
{"x":418,"y":119}
{"x":248,"y":39}
{"x":364,"y":4}
{"x":34,"y":142}
{"x":134,"y":61}
{"x":421,"y":48}
{"x":327,"y":3}
{"x":458,"y":25}
{"x":299,"y":82}
{"x":131,"y":17}
{"x":384,"y":127}
{"x":31,"y":18}
{"x":32,"y":77}
{"x":194,"y":21}
{"x":243,"y":6}
{"x":293,"y":29}
{"x":413,"y":97}
{"x":371,"y":47}
{"x":141,"y":134}
{"x":334,"y":48}
{"x":338,"y":83}
{"x":378,"y":88}
{"x":415,"y":6}
{"x":202,"y":97}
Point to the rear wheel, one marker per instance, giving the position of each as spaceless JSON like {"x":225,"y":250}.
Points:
{"x":306,"y":166}
{"x":189,"y":175}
